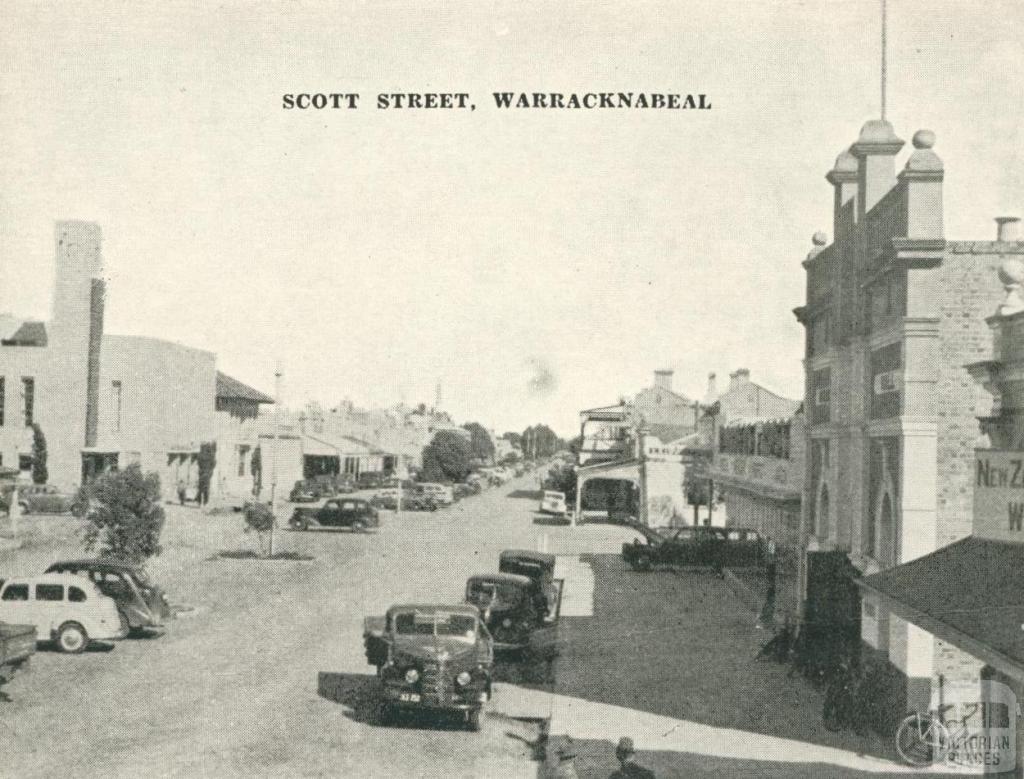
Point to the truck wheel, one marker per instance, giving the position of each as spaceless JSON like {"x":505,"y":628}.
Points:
{"x":300,"y":523}
{"x":72,"y":638}
{"x":473,"y":720}
{"x":359,"y":525}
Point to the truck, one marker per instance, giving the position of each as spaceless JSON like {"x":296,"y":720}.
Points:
{"x":431,"y":657}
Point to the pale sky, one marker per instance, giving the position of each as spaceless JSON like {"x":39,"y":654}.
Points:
{"x":534,"y":262}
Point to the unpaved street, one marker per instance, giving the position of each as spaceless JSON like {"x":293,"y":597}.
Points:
{"x":263,"y":672}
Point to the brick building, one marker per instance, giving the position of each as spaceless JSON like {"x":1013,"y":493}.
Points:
{"x":893,"y":311}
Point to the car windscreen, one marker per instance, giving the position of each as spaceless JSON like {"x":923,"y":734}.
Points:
{"x":435,"y":623}
{"x":499,"y":594}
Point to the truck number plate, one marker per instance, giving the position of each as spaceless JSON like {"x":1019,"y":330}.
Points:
{"x":409,"y":697}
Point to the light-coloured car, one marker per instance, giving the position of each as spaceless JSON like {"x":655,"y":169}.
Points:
{"x":442,"y":494}
{"x":553,"y":502}
{"x":64,"y":608}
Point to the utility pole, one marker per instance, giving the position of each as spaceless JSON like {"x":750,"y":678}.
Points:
{"x":273,"y":461}
{"x":399,"y":473}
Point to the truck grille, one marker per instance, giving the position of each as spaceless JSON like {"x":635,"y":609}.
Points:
{"x":436,"y":686}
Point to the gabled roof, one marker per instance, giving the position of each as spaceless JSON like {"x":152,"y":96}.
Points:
{"x":230,"y":388}
{"x":28,"y":334}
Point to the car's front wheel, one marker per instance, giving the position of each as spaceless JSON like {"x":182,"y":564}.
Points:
{"x":642,"y":562}
{"x":72,"y":638}
{"x":473,"y":720}
{"x":300,"y":523}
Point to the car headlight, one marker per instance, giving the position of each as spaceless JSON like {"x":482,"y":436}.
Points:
{"x":412,"y":675}
{"x":463,"y":678}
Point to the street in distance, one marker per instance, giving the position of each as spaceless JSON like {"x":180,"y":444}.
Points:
{"x":461,"y":100}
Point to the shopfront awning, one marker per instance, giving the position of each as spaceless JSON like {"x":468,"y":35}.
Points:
{"x":970,"y":594}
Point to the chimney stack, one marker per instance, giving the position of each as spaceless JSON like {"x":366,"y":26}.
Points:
{"x":1007,"y":228}
{"x":663,"y":379}
{"x":712,"y":395}
{"x":843,"y":178}
{"x":739,"y":377}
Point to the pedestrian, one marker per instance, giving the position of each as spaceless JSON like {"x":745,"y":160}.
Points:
{"x":181,"y":491}
{"x":627,"y":769}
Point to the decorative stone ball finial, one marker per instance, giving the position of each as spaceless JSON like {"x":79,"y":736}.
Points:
{"x":923,"y":139}
{"x":1011,"y":274}
{"x":819,"y":238}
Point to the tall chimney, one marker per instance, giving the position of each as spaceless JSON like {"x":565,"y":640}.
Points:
{"x":843,"y":178}
{"x":712,"y":395}
{"x":875,"y":150}
{"x":1007,"y":228}
{"x":663,"y":379}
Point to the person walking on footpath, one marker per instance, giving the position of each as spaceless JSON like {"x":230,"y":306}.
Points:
{"x":181,"y":492}
{"x":627,"y":768}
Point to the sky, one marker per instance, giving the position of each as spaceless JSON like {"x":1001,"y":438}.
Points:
{"x":533,"y":263}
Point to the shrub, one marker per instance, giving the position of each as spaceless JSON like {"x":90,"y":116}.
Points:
{"x":40,"y":474}
{"x":124,"y":515}
{"x":259,"y":518}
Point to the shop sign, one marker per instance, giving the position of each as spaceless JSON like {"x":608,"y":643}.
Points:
{"x":999,"y":495}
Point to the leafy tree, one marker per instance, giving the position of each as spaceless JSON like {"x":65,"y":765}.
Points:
{"x":540,"y":441}
{"x":40,"y":474}
{"x":124,"y":514}
{"x":562,"y":478}
{"x":259,"y":518}
{"x":448,"y":457}
{"x":256,"y":466}
{"x":480,"y":442}
{"x":514,"y":438}
{"x":207,"y":462}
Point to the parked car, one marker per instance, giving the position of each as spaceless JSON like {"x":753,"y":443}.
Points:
{"x":509,"y":605}
{"x":305,"y":491}
{"x":435,"y":657}
{"x":411,"y":501}
{"x":693,"y":545}
{"x":442,"y":494}
{"x":369,"y":480}
{"x":540,"y":567}
{"x":354,"y":513}
{"x":461,"y":491}
{"x":63,"y":608}
{"x":552,"y":502}
{"x":42,"y":499}
{"x":17,"y":645}
{"x":141,"y":602}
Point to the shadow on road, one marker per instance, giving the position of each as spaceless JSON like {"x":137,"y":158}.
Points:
{"x":551,"y":521}
{"x":95,"y":647}
{"x":525,"y":494}
{"x":249,"y":554}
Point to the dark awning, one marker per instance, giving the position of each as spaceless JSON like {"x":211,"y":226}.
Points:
{"x":970,"y":593}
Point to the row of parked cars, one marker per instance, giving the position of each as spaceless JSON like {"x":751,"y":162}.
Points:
{"x":440,"y":657}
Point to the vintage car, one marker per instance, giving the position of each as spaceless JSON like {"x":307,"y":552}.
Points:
{"x":694,"y":545}
{"x":17,"y":645}
{"x":369,"y":480}
{"x":306,"y":491}
{"x":441,"y":494}
{"x":540,"y":567}
{"x":354,"y":513}
{"x":42,"y":499}
{"x":552,"y":502}
{"x":63,"y":608}
{"x":434,"y":657}
{"x":509,"y":606}
{"x":411,"y":501}
{"x":141,"y":602}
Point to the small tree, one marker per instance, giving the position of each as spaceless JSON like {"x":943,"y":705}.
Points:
{"x":40,"y":475}
{"x":480,"y":442}
{"x":260,"y":518}
{"x":124,"y":515}
{"x":257,"y":472}
{"x":447,"y":457}
{"x":206,"y":463}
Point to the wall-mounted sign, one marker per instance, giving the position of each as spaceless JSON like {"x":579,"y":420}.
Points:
{"x":999,"y":495}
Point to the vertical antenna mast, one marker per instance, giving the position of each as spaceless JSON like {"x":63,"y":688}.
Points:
{"x":884,"y":64}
